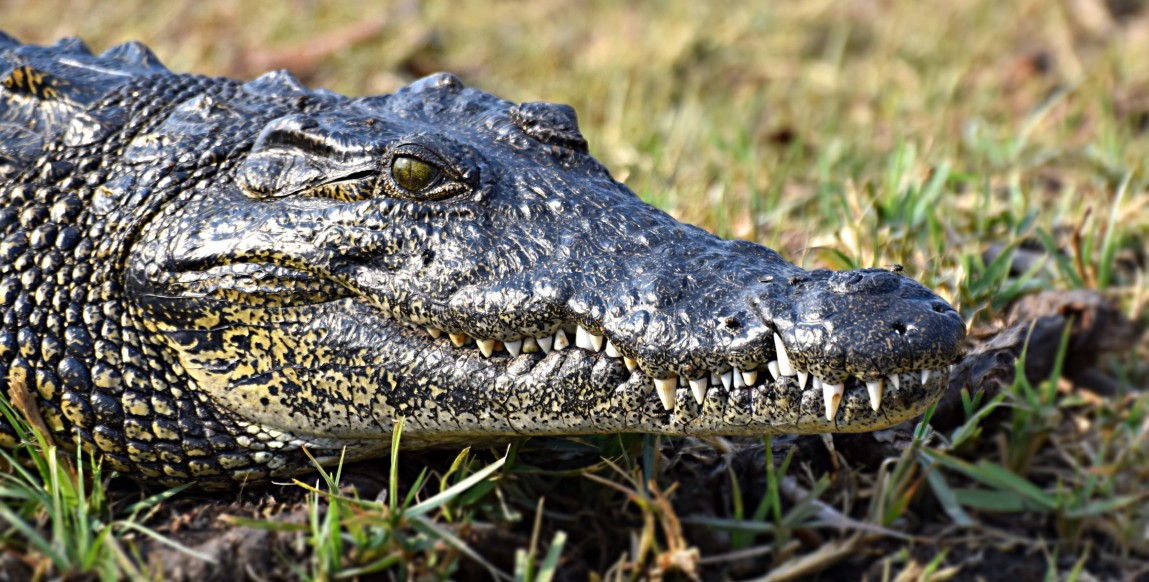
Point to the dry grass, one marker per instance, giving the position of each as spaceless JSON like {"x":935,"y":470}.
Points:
{"x":844,"y":133}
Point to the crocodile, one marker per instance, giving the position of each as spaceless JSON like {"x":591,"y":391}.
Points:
{"x":214,"y":281}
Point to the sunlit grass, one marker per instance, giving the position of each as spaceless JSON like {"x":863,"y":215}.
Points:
{"x":56,"y":514}
{"x":415,"y":535}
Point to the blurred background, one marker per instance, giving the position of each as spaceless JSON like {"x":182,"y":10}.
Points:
{"x":760,"y":120}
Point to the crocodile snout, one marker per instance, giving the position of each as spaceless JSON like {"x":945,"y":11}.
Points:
{"x":867,"y":326}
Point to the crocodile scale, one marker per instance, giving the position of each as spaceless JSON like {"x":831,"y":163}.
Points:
{"x":208,"y":280}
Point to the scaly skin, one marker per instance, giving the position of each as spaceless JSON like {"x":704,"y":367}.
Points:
{"x":203,"y":277}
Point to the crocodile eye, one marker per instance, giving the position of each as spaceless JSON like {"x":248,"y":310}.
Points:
{"x":413,"y":174}
{"x":418,"y":172}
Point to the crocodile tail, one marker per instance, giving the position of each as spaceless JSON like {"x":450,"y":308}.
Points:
{"x":44,"y":88}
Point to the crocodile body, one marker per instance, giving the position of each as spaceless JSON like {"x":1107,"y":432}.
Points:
{"x":203,"y":277}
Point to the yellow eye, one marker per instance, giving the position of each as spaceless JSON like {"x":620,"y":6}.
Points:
{"x":413,"y":174}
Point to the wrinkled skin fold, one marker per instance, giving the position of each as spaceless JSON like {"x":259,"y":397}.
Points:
{"x":204,"y":277}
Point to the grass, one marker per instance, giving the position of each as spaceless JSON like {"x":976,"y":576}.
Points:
{"x":351,"y":537}
{"x":842,"y":133}
{"x":57,"y":514}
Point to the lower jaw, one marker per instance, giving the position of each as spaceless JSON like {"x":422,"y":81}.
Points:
{"x":770,"y":407}
{"x":567,"y":407}
{"x":782,"y":407}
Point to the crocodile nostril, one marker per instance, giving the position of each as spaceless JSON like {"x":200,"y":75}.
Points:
{"x":898,"y":327}
{"x":940,"y":308}
{"x":732,"y":323}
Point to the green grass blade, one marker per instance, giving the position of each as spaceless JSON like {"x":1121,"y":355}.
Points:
{"x":947,"y":498}
{"x":1109,"y":246}
{"x":136,"y":527}
{"x":997,"y":477}
{"x":433,"y":530}
{"x":156,"y":499}
{"x":455,"y":490}
{"x":34,"y":538}
{"x":1102,"y":506}
{"x":550,"y":563}
{"x":997,"y":501}
{"x":1064,"y":263}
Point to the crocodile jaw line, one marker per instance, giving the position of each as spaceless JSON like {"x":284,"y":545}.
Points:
{"x":779,"y":372}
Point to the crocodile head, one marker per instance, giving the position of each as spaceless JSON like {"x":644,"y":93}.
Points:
{"x":462,"y":262}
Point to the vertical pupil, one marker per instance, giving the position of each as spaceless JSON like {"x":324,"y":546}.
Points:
{"x":411,"y":173}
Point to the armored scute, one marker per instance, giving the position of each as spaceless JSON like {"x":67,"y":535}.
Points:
{"x":203,"y":277}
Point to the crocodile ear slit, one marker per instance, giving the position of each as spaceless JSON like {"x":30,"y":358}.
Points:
{"x":550,"y":123}
{"x":137,"y":55}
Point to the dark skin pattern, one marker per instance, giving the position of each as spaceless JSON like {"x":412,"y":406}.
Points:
{"x":202,"y":278}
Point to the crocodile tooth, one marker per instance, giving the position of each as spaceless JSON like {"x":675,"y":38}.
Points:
{"x":611,"y":350}
{"x":546,"y":343}
{"x":739,"y":382}
{"x":596,"y":341}
{"x":772,"y":367}
{"x":515,"y":347}
{"x":952,"y":366}
{"x":458,"y":339}
{"x":582,"y":339}
{"x":749,"y":376}
{"x":896,"y":380}
{"x":802,"y":377}
{"x":714,"y":379}
{"x":727,"y":378}
{"x":783,"y":357}
{"x":875,"y":388}
{"x":434,"y":332}
{"x":682,"y":381}
{"x":925,"y":376}
{"x":698,"y":387}
{"x":631,"y":364}
{"x":832,"y":394}
{"x":665,"y":390}
{"x":561,"y":341}
{"x":486,"y":347}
